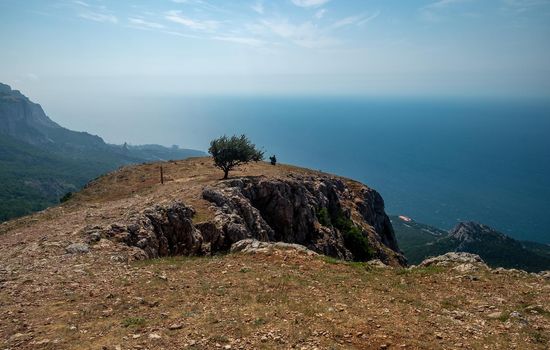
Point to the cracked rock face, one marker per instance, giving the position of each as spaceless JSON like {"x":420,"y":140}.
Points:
{"x":162,"y":230}
{"x":267,"y":210}
{"x":286,"y":210}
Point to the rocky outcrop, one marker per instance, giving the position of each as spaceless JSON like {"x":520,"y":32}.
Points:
{"x":307,"y":210}
{"x":452,"y":258}
{"x":162,"y":230}
{"x":254,"y":246}
{"x":324,"y":214}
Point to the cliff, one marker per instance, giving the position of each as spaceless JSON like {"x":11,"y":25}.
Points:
{"x":289,"y":207}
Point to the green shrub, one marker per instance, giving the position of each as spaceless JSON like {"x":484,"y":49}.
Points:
{"x":324,"y":217}
{"x":354,"y":240}
{"x":357,"y":244}
{"x":133,"y":321}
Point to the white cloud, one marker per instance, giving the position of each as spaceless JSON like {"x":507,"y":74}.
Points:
{"x":258,"y":6}
{"x":240,"y":40}
{"x":139,"y":22}
{"x":354,"y":20}
{"x":98,"y":17}
{"x":320,"y":13}
{"x":305,"y":34}
{"x":437,"y":11}
{"x":369,"y":18}
{"x":309,"y":3}
{"x":177,"y":17}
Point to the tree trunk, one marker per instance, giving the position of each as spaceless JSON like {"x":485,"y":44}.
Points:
{"x":225,"y":174}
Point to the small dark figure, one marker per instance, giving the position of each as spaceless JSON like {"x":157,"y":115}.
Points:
{"x":273,"y":160}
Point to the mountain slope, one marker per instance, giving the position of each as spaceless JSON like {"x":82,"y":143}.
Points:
{"x":69,"y":278}
{"x":419,"y":241}
{"x":40,"y":161}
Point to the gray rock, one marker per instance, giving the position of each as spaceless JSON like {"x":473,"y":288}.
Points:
{"x":77,"y":248}
{"x":377,"y":263}
{"x":255,"y":246}
{"x":266,"y":210}
{"x":285,"y":210}
{"x":454,"y":258}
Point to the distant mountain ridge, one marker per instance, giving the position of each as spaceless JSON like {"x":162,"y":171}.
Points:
{"x":419,"y":241}
{"x":41,"y":160}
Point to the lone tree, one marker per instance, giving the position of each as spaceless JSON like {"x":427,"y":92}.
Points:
{"x":273,"y":160}
{"x":231,"y":152}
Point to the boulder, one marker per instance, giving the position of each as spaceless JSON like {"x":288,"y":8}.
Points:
{"x":77,"y":248}
{"x":454,"y":258}
{"x":254,"y":246}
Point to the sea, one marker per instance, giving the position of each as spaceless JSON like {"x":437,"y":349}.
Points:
{"x":439,"y":161}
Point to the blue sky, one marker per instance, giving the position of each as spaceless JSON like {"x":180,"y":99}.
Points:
{"x":371,"y":47}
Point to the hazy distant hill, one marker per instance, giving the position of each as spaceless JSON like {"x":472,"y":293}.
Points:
{"x":40,"y":161}
{"x":419,"y":241}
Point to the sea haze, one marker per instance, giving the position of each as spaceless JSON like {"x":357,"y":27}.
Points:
{"x":438,"y":162}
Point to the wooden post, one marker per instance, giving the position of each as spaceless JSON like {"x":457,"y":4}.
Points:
{"x":161,"y":175}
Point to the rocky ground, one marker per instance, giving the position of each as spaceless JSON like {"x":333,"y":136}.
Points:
{"x":59,"y":292}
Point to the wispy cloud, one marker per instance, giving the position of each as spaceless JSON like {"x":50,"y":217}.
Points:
{"x":444,"y":3}
{"x":139,"y":22}
{"x":435,"y":11}
{"x":98,"y":17}
{"x":305,"y":34}
{"x":354,"y":20}
{"x":94,"y":13}
{"x":320,"y":13}
{"x":81,"y":3}
{"x":309,"y":3}
{"x":198,"y":25}
{"x":258,"y":6}
{"x":240,"y":40}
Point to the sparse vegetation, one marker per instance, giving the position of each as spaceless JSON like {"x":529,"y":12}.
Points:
{"x":324,"y":217}
{"x":133,"y":322}
{"x":354,"y":239}
{"x":229,"y":153}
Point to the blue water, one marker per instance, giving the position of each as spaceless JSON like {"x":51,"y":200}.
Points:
{"x":438,"y":162}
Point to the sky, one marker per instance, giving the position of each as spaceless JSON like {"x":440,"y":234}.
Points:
{"x":60,"y":48}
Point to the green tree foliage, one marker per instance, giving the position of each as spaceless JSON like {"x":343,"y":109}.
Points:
{"x":273,"y":160}
{"x":229,"y":153}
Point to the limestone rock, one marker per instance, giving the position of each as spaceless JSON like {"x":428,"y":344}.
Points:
{"x":286,"y":210}
{"x":255,"y":246}
{"x":453,"y":258}
{"x":281,"y":210}
{"x":77,"y":248}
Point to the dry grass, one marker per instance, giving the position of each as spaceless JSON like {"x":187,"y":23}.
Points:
{"x":285,"y":300}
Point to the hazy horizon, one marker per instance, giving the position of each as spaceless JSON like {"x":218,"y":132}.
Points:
{"x":67,"y":48}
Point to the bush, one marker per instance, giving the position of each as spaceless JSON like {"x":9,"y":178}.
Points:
{"x":354,"y":240}
{"x":324,"y":217}
{"x":357,"y":244}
